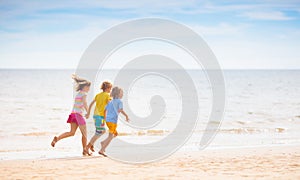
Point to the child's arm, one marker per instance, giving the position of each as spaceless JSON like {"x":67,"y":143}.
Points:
{"x":89,"y":109}
{"x":105,"y":114}
{"x":124,"y":113}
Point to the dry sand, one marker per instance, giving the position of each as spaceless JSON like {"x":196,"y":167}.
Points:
{"x":281,"y":162}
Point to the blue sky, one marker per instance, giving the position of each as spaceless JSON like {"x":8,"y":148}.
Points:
{"x":246,"y":34}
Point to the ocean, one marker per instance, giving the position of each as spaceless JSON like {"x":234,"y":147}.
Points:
{"x":262,"y":109}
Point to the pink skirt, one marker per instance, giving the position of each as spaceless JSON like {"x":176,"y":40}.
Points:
{"x":76,"y":118}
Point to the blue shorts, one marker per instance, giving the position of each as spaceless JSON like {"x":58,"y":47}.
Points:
{"x":99,"y":124}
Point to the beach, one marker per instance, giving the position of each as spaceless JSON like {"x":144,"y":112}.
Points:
{"x":258,"y":137}
{"x":204,"y":90}
{"x":278,"y":162}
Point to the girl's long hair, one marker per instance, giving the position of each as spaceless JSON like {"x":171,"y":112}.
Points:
{"x":80,"y":82}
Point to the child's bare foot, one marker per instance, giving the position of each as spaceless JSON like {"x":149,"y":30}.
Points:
{"x":102,"y":153}
{"x":92,"y":148}
{"x":102,"y":145}
{"x":54,"y":141}
{"x":86,"y":153}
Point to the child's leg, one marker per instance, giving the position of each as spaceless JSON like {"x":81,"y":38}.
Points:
{"x":99,"y":130}
{"x":84,"y":135}
{"x":106,"y":142}
{"x":112,"y":133}
{"x":85,"y":151}
{"x":91,"y":143}
{"x":94,"y":139}
{"x":73,"y":129}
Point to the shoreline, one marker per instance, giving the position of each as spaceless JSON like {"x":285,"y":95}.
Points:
{"x":263,"y":162}
{"x":68,"y":150}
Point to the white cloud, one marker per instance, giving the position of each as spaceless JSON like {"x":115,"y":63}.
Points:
{"x":271,"y":15}
{"x":17,"y":8}
{"x":220,"y":29}
{"x":187,"y":6}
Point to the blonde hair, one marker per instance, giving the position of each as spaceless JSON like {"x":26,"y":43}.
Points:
{"x":105,"y":85}
{"x":80,"y":82}
{"x":115,"y":92}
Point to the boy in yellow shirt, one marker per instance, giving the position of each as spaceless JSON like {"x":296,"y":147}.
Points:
{"x":101,"y":100}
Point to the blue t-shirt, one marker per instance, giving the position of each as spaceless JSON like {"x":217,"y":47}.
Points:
{"x":112,"y":109}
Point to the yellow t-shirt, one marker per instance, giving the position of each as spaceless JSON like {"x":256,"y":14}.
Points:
{"x":101,"y":101}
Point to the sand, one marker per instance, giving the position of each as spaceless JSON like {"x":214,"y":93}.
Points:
{"x":279,"y":162}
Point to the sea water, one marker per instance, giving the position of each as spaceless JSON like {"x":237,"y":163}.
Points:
{"x":262,"y":109}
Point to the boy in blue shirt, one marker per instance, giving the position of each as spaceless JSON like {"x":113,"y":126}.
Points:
{"x":112,"y":110}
